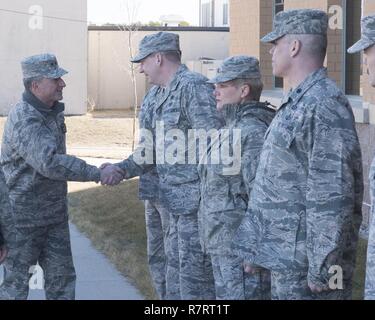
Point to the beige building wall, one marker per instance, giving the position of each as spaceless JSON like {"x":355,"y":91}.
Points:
{"x":62,"y":30}
{"x":109,"y":80}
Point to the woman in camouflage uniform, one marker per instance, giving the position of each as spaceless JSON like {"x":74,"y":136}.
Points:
{"x":225,"y":191}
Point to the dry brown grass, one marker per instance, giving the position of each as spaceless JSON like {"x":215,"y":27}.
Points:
{"x":359,"y":272}
{"x":113,"y":219}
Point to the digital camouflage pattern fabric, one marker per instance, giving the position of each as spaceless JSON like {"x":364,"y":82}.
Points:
{"x":36,"y":169}
{"x":305,"y":21}
{"x":156,"y":217}
{"x":237,"y":67}
{"x":367,"y":40}
{"x":186,"y":103}
{"x":305,"y":209}
{"x":157,"y":42}
{"x":35,"y":163}
{"x":224,"y":200}
{"x":41,"y":65}
{"x":368,"y":35}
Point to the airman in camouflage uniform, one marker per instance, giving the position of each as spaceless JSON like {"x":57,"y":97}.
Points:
{"x":157,"y":217}
{"x":367,"y":43}
{"x":224,"y":197}
{"x":5,"y":217}
{"x":183,"y":100}
{"x":305,"y":208}
{"x":36,"y":168}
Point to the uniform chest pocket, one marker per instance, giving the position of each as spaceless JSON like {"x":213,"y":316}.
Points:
{"x":281,"y":135}
{"x":172,"y":118}
{"x":169,"y":119}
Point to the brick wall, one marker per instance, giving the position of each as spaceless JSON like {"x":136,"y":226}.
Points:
{"x":368,"y":91}
{"x":249,"y":21}
{"x":244,"y":27}
{"x":266,"y":18}
{"x":303,"y":4}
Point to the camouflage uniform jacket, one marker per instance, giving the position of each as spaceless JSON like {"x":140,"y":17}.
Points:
{"x":148,"y":181}
{"x":5,"y":216}
{"x":224,"y":198}
{"x":35,"y":164}
{"x":305,"y":207}
{"x":187,"y":103}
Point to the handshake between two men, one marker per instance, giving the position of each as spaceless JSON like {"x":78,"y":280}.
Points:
{"x":110,"y":174}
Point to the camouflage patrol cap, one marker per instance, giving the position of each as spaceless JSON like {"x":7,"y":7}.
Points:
{"x":304,"y":21}
{"x":157,"y":42}
{"x":367,"y":37}
{"x":237,"y":67}
{"x":41,"y":65}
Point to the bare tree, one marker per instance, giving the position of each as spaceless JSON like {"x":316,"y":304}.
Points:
{"x":130,"y":29}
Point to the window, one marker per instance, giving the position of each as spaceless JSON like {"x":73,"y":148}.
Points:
{"x":225,"y":14}
{"x":279,"y":6}
{"x":352,"y":62}
{"x":206,"y":14}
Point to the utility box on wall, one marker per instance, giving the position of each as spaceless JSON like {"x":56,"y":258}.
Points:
{"x":207,"y":67}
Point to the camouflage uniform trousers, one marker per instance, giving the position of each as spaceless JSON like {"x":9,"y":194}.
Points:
{"x":157,"y":227}
{"x":50,"y":247}
{"x":370,"y":263}
{"x":290,"y":285}
{"x":187,"y":261}
{"x":232,"y":283}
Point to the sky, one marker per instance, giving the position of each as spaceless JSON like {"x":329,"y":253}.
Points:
{"x":114,"y":11}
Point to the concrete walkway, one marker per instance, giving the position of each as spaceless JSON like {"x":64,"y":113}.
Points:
{"x":97,"y":278}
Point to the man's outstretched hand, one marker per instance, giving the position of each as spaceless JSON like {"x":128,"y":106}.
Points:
{"x":111,"y":174}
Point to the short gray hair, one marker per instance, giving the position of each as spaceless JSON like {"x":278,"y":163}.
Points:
{"x":172,"y":56}
{"x":314,"y":45}
{"x":29,"y":81}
